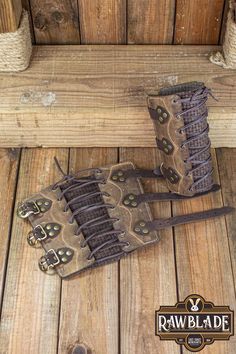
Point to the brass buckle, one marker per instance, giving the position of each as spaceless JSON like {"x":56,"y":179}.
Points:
{"x":28,"y":208}
{"x":45,"y":265}
{"x":32,"y":240}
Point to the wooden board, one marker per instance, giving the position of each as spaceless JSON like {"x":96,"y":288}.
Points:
{"x":89,"y":302}
{"x":102,"y":21}
{"x":146,"y":275}
{"x":96,"y":95}
{"x":151,"y":22}
{"x":203,"y":259}
{"x":10,"y":14}
{"x":30,"y":311}
{"x":55,"y":21}
{"x":227,"y":170}
{"x":198,"y":22}
{"x":9,"y":160}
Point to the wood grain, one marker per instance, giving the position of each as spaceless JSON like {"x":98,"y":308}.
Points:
{"x":30,"y":310}
{"x":102,"y":21}
{"x":198,"y":22}
{"x":203,"y":259}
{"x":55,"y":21}
{"x":147,"y":277}
{"x":227,"y":170}
{"x":151,"y":22}
{"x":96,"y":95}
{"x":10,"y":14}
{"x":9,"y":160}
{"x":89,"y":302}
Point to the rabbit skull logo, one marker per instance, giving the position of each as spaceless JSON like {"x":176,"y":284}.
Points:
{"x":194,"y":306}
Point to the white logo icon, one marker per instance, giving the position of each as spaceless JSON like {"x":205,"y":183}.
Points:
{"x":194,"y":307}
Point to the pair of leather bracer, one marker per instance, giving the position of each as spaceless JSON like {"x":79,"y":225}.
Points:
{"x":102,"y":214}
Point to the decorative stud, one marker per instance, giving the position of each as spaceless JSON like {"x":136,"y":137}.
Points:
{"x":118,"y":176}
{"x":170,"y":174}
{"x":162,"y":115}
{"x":141,"y":228}
{"x":130,"y":200}
{"x":165,"y":145}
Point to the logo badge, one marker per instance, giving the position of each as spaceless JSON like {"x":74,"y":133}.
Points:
{"x":194,"y":323}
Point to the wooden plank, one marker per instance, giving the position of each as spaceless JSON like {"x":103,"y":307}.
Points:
{"x":9,"y":160}
{"x":89,"y":302}
{"x":96,"y":95}
{"x":151,"y":22}
{"x":55,"y":21}
{"x":203,"y":259}
{"x":147,"y":277}
{"x":102,"y":21}
{"x":10,"y":14}
{"x":227,"y":170}
{"x":198,"y":22}
{"x":30,"y":310}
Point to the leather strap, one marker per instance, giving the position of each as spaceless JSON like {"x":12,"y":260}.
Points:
{"x":158,"y":224}
{"x":143,"y":173}
{"x":132,"y":200}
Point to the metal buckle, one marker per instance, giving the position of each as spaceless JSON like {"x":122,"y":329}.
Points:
{"x":32,"y":240}
{"x":28,"y":208}
{"x":45,"y":264}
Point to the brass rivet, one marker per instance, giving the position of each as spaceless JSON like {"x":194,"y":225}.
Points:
{"x":134,"y":204}
{"x":61,"y":252}
{"x":51,"y":233}
{"x":137,"y":229}
{"x":164,"y":141}
{"x":68,"y":253}
{"x":121,"y":179}
{"x":39,"y":203}
{"x":170,"y":147}
{"x":48,"y":227}
{"x":166,"y":150}
{"x":126,"y":202}
{"x":56,"y":228}
{"x":42,"y":209}
{"x":142,"y":223}
{"x":165,"y":115}
{"x":120,"y":173}
{"x":159,"y":110}
{"x":46,"y":203}
{"x":145,"y":231}
{"x":64,"y":259}
{"x":161,"y":119}
{"x":131,"y":197}
{"x":114,"y":177}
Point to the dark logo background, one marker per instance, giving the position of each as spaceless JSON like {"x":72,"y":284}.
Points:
{"x":194,"y":323}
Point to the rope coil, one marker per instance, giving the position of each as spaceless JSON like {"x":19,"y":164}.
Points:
{"x":16,"y":47}
{"x":227,"y":59}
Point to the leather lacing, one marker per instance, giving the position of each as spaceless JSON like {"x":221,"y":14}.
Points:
{"x":194,"y":113}
{"x":85,"y":200}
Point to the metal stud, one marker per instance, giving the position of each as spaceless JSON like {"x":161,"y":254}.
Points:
{"x":121,"y":179}
{"x":56,"y":228}
{"x":126,"y":202}
{"x":160,"y":119}
{"x":68,"y":253}
{"x":51,"y":233}
{"x":145,"y":231}
{"x":165,"y":115}
{"x":64,"y":259}
{"x":39,"y":203}
{"x":42,"y":209}
{"x":134,"y":204}
{"x":48,"y":227}
{"x":61,"y":252}
{"x":137,"y":229}
{"x":131,"y":197}
{"x":159,"y":110}
{"x":142,"y":223}
{"x":120,"y":173}
{"x":114,"y":178}
{"x":46,"y":203}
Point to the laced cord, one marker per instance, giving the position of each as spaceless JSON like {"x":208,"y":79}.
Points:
{"x":194,"y":113}
{"x":84,"y":198}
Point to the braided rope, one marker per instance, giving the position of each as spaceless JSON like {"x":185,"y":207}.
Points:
{"x":16,"y":47}
{"x":227,"y":59}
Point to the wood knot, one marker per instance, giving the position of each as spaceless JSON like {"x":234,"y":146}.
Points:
{"x":40,"y":22}
{"x":57,"y":17}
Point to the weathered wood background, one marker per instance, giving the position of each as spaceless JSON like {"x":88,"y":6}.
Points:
{"x":127,"y":21}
